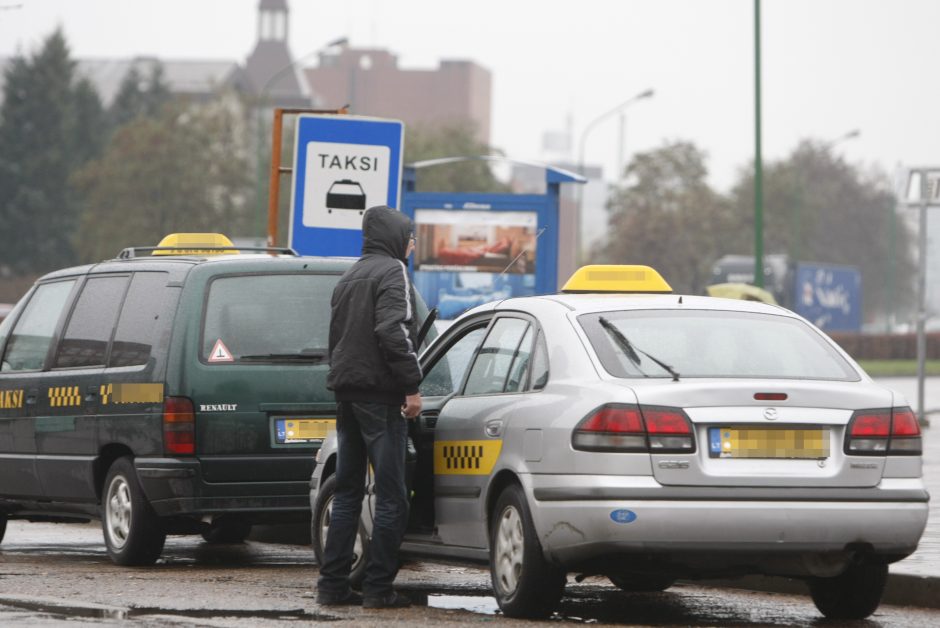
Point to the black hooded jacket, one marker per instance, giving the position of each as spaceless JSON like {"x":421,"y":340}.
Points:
{"x":373,"y":353}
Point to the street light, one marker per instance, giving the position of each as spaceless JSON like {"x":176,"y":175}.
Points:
{"x":593,"y":123}
{"x":796,"y":215}
{"x":845,"y":136}
{"x":587,"y":129}
{"x":259,"y":121}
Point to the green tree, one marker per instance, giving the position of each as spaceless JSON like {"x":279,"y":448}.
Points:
{"x":818,"y":208}
{"x":138,"y":96}
{"x":666,"y":216}
{"x":423,"y":142}
{"x":48,"y":122}
{"x":183,"y":170}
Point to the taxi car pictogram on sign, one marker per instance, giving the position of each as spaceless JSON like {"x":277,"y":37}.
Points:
{"x":618,"y":429}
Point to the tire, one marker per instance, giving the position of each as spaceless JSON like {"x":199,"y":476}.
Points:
{"x":319,"y":525}
{"x":854,"y":594}
{"x":524,"y":583}
{"x":224,"y":530}
{"x":133,"y":534}
{"x":3,"y":526}
{"x":649,"y":583}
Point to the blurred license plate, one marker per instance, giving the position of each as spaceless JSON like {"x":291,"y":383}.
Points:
{"x":289,"y":430}
{"x":749,"y":442}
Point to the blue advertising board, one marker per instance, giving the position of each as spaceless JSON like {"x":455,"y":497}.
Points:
{"x":476,"y":248}
{"x":829,"y":296}
{"x":342,"y":166}
{"x":473,"y":248}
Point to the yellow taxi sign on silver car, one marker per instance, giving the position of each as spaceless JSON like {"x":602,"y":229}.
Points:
{"x":616,"y":278}
{"x":195,"y":244}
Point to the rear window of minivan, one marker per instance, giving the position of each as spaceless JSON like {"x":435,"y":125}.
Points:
{"x":252,"y":318}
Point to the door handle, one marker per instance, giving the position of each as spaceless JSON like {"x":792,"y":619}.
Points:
{"x":31,"y":397}
{"x":494,"y":428}
{"x":90,"y":393}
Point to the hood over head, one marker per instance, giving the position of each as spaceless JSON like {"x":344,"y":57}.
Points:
{"x":386,"y":231}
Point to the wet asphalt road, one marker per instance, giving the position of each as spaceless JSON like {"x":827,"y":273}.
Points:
{"x":58,"y":574}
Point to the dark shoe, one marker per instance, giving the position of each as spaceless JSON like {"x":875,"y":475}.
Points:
{"x":350,"y":598}
{"x":392,"y":600}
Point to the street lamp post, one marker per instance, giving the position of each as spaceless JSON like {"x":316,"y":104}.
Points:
{"x":796,"y":214}
{"x":259,"y":122}
{"x":584,"y":134}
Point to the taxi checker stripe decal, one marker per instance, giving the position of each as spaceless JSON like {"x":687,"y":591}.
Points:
{"x":131,"y":393}
{"x":64,"y":396}
{"x":466,"y":457}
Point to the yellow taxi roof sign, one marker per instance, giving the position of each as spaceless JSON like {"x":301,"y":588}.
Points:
{"x":616,"y":278}
{"x":195,"y":244}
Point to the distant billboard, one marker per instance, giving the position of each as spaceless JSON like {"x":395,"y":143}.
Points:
{"x":467,"y":257}
{"x":476,"y":241}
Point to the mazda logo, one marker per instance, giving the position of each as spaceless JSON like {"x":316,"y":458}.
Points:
{"x":770,"y":414}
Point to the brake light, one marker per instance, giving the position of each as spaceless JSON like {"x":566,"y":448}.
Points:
{"x":883,"y":431}
{"x":770,"y":396}
{"x":179,"y":426}
{"x":630,"y":428}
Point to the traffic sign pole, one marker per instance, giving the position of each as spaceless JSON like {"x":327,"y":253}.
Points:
{"x":929,"y":190}
{"x":274,"y":178}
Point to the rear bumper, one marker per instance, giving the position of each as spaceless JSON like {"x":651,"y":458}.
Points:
{"x":581,"y":519}
{"x":176,"y":487}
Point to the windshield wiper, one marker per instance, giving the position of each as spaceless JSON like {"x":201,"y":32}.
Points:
{"x":307,"y":355}
{"x":631,"y":351}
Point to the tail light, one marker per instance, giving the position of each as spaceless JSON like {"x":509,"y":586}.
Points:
{"x":641,"y":429}
{"x":882,"y":432}
{"x":179,"y":426}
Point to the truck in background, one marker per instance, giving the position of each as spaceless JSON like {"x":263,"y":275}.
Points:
{"x":828,"y":295}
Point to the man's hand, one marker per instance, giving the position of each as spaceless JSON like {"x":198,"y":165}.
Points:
{"x":412,"y":406}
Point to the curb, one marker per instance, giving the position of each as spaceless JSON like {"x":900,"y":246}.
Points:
{"x":901,"y":590}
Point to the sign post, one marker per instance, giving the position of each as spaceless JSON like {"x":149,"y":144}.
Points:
{"x":342,"y":166}
{"x":927,"y":182}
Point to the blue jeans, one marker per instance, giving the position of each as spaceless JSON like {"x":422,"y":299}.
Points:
{"x":376,"y":433}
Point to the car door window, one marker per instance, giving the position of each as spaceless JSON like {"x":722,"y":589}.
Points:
{"x":86,"y":337}
{"x":30,"y":340}
{"x":490,"y":370}
{"x":147,"y":300}
{"x":445,"y":375}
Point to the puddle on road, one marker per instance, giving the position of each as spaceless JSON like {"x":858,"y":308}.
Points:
{"x":47,"y":607}
{"x":474,"y":603}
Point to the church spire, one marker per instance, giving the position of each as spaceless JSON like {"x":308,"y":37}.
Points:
{"x":273,"y":20}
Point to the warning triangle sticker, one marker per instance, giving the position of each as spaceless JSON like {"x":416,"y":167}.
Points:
{"x":220,"y":353}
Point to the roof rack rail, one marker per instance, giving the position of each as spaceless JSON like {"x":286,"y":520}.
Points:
{"x":132,"y":252}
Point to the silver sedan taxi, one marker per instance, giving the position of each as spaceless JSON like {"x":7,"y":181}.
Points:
{"x":618,"y":429}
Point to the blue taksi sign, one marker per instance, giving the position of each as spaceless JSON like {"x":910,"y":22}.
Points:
{"x":342,"y":166}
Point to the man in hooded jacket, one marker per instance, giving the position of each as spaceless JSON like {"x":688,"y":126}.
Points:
{"x":374,"y":373}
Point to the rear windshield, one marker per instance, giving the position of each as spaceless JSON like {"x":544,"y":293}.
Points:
{"x":698,"y":343}
{"x":267,"y":318}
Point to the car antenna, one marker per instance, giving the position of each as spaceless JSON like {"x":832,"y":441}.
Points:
{"x":680,"y":299}
{"x":521,"y":253}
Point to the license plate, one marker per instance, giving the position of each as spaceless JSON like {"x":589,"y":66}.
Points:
{"x":289,"y":430}
{"x":749,"y":442}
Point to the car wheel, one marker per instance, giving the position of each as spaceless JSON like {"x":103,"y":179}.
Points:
{"x":223,"y":531}
{"x":854,"y":594}
{"x":649,"y":583}
{"x":320,"y":525}
{"x":525,"y":584}
{"x":133,"y":533}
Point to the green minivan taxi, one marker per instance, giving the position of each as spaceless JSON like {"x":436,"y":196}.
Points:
{"x":177,"y":389}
